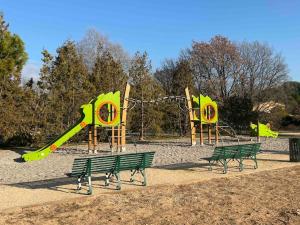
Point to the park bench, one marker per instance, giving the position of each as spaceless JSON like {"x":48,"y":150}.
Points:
{"x":224,"y":154}
{"x":247,"y":151}
{"x":111,"y":165}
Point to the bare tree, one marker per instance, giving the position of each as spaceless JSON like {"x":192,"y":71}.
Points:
{"x":94,"y":44}
{"x":215,"y":66}
{"x":165,"y":75}
{"x":261,"y":69}
{"x":222,"y":68}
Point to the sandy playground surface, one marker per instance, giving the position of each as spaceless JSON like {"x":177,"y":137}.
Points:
{"x":185,"y":193}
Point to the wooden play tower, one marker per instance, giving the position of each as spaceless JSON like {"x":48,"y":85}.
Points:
{"x":118,"y":133}
{"x":202,"y":112}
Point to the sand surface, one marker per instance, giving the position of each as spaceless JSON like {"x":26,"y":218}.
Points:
{"x":182,"y":192}
{"x":265,"y":197}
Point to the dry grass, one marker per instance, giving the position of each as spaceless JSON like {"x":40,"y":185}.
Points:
{"x":267,"y":197}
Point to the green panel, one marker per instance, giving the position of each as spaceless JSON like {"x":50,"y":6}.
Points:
{"x":200,"y":104}
{"x":264,"y":131}
{"x":112,"y":99}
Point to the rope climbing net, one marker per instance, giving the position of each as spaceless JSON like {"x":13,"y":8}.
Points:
{"x":180,"y":100}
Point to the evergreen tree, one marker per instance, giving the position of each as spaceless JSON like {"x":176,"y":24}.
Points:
{"x":144,"y":116}
{"x":65,"y":86}
{"x":108,"y":74}
{"x":12,"y":60}
{"x":175,"y":76}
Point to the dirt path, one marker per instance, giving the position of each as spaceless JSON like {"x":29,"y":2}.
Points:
{"x":267,"y":197}
{"x":37,"y":192}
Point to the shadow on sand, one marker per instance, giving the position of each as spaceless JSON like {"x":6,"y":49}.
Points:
{"x":280,"y":152}
{"x":18,"y":150}
{"x":63,"y":184}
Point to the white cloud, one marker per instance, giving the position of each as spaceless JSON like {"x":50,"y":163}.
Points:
{"x":31,"y":70}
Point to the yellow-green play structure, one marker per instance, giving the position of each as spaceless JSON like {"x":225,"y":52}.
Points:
{"x":202,"y":111}
{"x":102,"y":111}
{"x":263,"y":130}
{"x":208,"y":109}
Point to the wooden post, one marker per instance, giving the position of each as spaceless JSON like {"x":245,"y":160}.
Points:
{"x":112,"y":138}
{"x":124,"y":118}
{"x":95,"y":139}
{"x":201,"y":134}
{"x":258,"y":137}
{"x":209,"y":133}
{"x":209,"y":125}
{"x":191,"y":117}
{"x":90,"y":139}
{"x":217,"y":134}
{"x":201,"y":125}
{"x":119,"y":139}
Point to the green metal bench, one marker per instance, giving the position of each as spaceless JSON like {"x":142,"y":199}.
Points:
{"x":111,"y":165}
{"x":247,"y":151}
{"x":224,"y":154}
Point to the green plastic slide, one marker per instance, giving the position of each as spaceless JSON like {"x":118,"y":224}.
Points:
{"x":264,"y":130}
{"x":91,"y":114}
{"x":43,"y":152}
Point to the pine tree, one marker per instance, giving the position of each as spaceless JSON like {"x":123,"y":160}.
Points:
{"x":108,"y":74}
{"x":65,"y":86}
{"x":12,"y":60}
{"x":145,"y":88}
{"x":175,"y":76}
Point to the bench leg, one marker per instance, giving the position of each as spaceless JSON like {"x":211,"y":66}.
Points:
{"x":256,"y":165}
{"x":210,"y":167}
{"x":132,"y":175}
{"x":225,"y":166}
{"x":90,"y":190}
{"x":107,"y":179}
{"x":118,"y":181}
{"x":241,"y":165}
{"x":79,"y":183}
{"x":143,"y":172}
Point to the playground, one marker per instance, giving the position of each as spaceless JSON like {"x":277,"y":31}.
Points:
{"x":252,"y":176}
{"x":144,"y":112}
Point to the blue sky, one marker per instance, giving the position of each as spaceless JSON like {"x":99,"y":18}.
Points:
{"x":162,"y":28}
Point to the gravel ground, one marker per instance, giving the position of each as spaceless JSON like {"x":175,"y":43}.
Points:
{"x":168,"y":153}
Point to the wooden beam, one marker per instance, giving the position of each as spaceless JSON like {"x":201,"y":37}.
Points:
{"x":90,"y":139}
{"x":119,"y":138}
{"x":258,"y":137}
{"x":201,"y":133}
{"x":124,"y":118}
{"x":95,"y":139}
{"x":209,"y":133}
{"x":191,"y":116}
{"x":112,"y":138}
{"x":217,"y":134}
